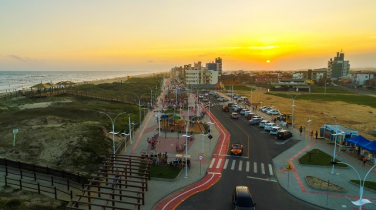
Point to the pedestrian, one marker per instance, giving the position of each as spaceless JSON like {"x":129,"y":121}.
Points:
{"x":275,"y":120}
{"x":317,"y":133}
{"x":364,"y":159}
{"x":301,"y":130}
{"x":312,"y":134}
{"x":287,"y":124}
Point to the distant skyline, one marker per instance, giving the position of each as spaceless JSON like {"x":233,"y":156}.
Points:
{"x":96,"y":35}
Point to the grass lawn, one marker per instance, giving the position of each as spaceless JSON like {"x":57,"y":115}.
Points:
{"x":352,"y":99}
{"x":318,"y":158}
{"x":328,"y":90}
{"x":367,"y":184}
{"x":165,"y":172}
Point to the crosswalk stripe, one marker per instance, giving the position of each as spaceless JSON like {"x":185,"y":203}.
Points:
{"x":247,"y":167}
{"x":212,"y":162}
{"x":270,"y":170}
{"x":219,"y":163}
{"x":240,"y":165}
{"x":254,"y":167}
{"x":233,"y":164}
{"x":262,"y":168}
{"x":225,"y":166}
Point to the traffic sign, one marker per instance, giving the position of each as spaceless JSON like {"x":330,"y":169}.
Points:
{"x":289,"y":167}
{"x":200,"y":157}
{"x":15,"y":131}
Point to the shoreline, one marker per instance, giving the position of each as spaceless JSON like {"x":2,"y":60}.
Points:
{"x":100,"y":81}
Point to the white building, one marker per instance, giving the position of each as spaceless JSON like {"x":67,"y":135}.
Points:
{"x":360,"y":77}
{"x":201,"y":76}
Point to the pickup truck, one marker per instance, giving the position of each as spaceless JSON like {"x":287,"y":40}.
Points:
{"x":225,"y":108}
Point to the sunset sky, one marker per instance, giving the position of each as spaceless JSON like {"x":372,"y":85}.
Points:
{"x":160,"y":34}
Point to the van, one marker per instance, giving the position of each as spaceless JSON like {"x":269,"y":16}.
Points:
{"x":242,"y":198}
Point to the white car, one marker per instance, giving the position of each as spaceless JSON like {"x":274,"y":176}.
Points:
{"x":263,"y":122}
{"x":267,"y":109}
{"x":242,"y":112}
{"x":247,"y":112}
{"x":200,"y":96}
{"x":268,"y":126}
{"x":273,"y":111}
{"x":275,"y":130}
{"x":234,"y":107}
{"x":205,"y":100}
{"x":206,"y":94}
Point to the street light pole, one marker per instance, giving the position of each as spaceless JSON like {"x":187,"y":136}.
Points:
{"x":361,"y":201}
{"x":139,"y":103}
{"x":113,"y":128}
{"x":335,"y":140}
{"x":130,"y":128}
{"x":293,"y":99}
{"x":151,"y":96}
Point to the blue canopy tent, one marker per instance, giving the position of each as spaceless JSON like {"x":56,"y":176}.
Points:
{"x":363,"y":143}
{"x":357,"y":140}
{"x":371,"y":146}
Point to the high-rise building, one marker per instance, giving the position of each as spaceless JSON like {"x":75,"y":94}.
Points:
{"x":338,"y":67}
{"x":215,"y":66}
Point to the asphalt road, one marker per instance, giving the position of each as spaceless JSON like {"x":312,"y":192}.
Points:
{"x":252,"y":169}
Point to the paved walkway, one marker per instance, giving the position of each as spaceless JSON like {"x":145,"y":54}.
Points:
{"x":167,"y":194}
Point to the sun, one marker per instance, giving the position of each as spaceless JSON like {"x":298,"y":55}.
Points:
{"x":268,"y":61}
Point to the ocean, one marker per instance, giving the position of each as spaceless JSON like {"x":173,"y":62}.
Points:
{"x":22,"y":80}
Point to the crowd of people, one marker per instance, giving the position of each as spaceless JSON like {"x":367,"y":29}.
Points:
{"x":153,"y":141}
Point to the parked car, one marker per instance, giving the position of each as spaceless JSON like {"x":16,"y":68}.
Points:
{"x":246,"y":113}
{"x":263,"y":122}
{"x":249,"y":115}
{"x":266,"y":109}
{"x":237,"y":149}
{"x":234,"y":115}
{"x":268,"y":126}
{"x":242,"y":198}
{"x":206,"y":94}
{"x":262,"y":108}
{"x":273,"y":111}
{"x":205,"y":100}
{"x":284,"y":134}
{"x":255,"y":121}
{"x":225,"y":99}
{"x":220,"y":99}
{"x":225,"y":108}
{"x":233,"y":105}
{"x":238,"y":109}
{"x":275,"y":130}
{"x":200,"y":96}
{"x":242,"y":112}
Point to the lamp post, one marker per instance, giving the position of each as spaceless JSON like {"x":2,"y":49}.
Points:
{"x":144,"y":110}
{"x":139,"y":103}
{"x":113,"y":128}
{"x":293,"y":99}
{"x":151,"y":96}
{"x":309,"y":122}
{"x":335,"y":140}
{"x":159,"y":123}
{"x":133,"y":128}
{"x":361,"y":201}
{"x":130,"y":129}
{"x":125,"y":139}
{"x":186,"y":143}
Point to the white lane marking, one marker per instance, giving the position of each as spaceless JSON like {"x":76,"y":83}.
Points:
{"x":254,"y":167}
{"x":233,"y":164}
{"x":225,"y":166}
{"x":247,"y":167}
{"x":240,"y":165}
{"x":262,"y":168}
{"x":212,"y":162}
{"x":269,"y":180}
{"x":270,"y":170}
{"x":219,"y":163}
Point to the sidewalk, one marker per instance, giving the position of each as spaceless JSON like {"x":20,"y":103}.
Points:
{"x":296,"y":185}
{"x":200,"y":146}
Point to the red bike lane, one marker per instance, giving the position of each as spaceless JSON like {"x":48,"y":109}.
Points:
{"x":213,"y":174}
